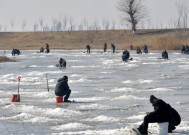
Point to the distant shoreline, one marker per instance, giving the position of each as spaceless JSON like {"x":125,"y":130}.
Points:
{"x":169,"y":39}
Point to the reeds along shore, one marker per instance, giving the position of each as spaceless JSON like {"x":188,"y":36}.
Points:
{"x":169,"y":39}
{"x":6,"y":59}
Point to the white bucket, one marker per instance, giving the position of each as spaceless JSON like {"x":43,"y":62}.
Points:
{"x":162,"y":128}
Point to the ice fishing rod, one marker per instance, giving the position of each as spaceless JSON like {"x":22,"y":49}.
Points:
{"x":47,"y":83}
{"x":19,"y":77}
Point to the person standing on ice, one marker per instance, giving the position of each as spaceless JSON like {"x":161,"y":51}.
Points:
{"x":113,"y":47}
{"x":160,"y":114}
{"x":88,"y":48}
{"x":62,"y":88}
{"x":105,"y":47}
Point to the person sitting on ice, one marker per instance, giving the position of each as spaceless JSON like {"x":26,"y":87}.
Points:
{"x":159,"y":115}
{"x":165,"y":55}
{"x":47,"y":48}
{"x":174,"y":117}
{"x":15,"y":51}
{"x":126,"y":55}
{"x":62,"y":88}
{"x":41,"y":49}
{"x":138,"y":50}
{"x":62,"y":62}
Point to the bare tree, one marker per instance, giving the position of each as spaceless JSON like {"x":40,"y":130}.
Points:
{"x":12,"y":24}
{"x":132,"y":11}
{"x":91,"y":36}
{"x":71,"y":24}
{"x":104,"y":24}
{"x":107,"y":25}
{"x":41,"y":21}
{"x":5,"y":28}
{"x":182,"y":19}
{"x":85,"y":23}
{"x":35,"y":28}
{"x":179,"y":6}
{"x":0,"y":27}
{"x":65,"y":19}
{"x":113,"y":24}
{"x":95,"y":26}
{"x":23,"y":25}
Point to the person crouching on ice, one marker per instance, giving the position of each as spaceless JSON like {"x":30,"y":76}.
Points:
{"x":62,"y":62}
{"x":62,"y":88}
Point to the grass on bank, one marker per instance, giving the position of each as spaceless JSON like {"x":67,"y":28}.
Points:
{"x":6,"y":59}
{"x":156,"y":39}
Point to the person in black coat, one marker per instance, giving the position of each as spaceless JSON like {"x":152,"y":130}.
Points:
{"x":138,"y":50}
{"x":126,"y":55}
{"x":160,"y":114}
{"x":145,"y":49}
{"x":47,"y":48}
{"x":173,"y":116}
{"x":62,"y":88}
{"x":62,"y":62}
{"x":113,"y":47}
{"x":88,"y":48}
{"x":105,"y":47}
{"x":165,"y":55}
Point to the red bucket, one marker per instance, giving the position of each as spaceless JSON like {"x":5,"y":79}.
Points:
{"x":15,"y":98}
{"x":59,"y":99}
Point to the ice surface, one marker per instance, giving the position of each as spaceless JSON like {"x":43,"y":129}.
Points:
{"x":113,"y":96}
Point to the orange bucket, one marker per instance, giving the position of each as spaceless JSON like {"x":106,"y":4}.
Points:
{"x":15,"y":98}
{"x":59,"y":99}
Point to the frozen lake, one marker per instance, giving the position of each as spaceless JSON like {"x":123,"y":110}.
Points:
{"x":116,"y":93}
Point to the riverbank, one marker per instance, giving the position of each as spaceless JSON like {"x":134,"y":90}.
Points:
{"x":169,"y":39}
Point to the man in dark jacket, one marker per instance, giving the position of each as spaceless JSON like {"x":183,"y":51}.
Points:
{"x":62,"y":62}
{"x":113,"y":47}
{"x":126,"y":55}
{"x":62,"y":88}
{"x":165,"y":55}
{"x":105,"y":47}
{"x":160,"y":114}
{"x":88,"y":48}
{"x":173,"y":115}
{"x":145,"y":49}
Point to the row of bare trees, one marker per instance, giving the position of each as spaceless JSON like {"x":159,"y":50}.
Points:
{"x":132,"y":13}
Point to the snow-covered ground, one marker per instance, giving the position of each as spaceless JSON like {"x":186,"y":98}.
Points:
{"x":114,"y":95}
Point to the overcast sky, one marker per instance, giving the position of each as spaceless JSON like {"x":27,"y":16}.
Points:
{"x":161,"y":12}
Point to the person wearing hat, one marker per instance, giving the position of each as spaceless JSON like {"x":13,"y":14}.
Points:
{"x":173,"y":116}
{"x":160,"y":114}
{"x":62,"y":88}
